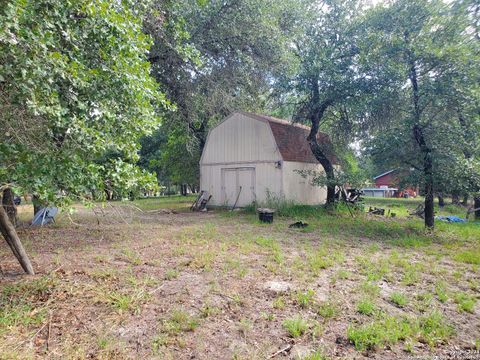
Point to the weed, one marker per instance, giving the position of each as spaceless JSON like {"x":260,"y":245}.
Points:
{"x":465,"y":302}
{"x":245,"y":326}
{"x":327,"y":310}
{"x":440,"y":291}
{"x":267,"y":316}
{"x":121,"y":302}
{"x":179,"y":321}
{"x":279,"y":303}
{"x":366,"y":307}
{"x":469,"y":257}
{"x":295,"y":327}
{"x":317,"y":355}
{"x":410,"y":276}
{"x":20,"y":304}
{"x":430,"y":329}
{"x":370,"y":288}
{"x":387,"y":331}
{"x":304,"y":299}
{"x":171,"y":274}
{"x":132,"y":257}
{"x":434,"y":329}
{"x":208,"y":310}
{"x":203,"y":260}
{"x":343,"y":274}
{"x":319,"y":260}
{"x":398,"y":299}
{"x":424,"y":301}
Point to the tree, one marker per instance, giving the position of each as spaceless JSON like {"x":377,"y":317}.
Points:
{"x":424,"y":48}
{"x":327,"y":82}
{"x":74,"y":83}
{"x":213,"y":58}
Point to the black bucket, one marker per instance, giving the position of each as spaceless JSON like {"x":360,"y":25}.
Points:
{"x":265,"y":216}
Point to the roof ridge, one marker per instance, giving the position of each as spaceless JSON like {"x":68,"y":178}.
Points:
{"x":275,"y":119}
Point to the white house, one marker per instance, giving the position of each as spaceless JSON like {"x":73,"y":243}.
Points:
{"x":248,"y":156}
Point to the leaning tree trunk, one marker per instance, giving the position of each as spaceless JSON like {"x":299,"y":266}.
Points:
{"x":8,"y":204}
{"x":10,"y":235}
{"x":327,"y":167}
{"x":317,"y":151}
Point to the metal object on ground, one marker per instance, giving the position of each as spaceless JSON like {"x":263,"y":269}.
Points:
{"x":201,"y":202}
{"x":236,"y":201}
{"x":265,"y":215}
{"x":298,"y":225}
{"x":44,"y":216}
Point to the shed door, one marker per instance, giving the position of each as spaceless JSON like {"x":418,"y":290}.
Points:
{"x":238,"y":182}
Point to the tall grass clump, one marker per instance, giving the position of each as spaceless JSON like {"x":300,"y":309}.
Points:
{"x":286,"y":208}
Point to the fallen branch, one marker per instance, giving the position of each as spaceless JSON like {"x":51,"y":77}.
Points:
{"x":286,"y":349}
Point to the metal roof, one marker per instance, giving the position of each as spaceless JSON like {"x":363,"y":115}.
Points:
{"x":291,"y":139}
{"x":385,"y":173}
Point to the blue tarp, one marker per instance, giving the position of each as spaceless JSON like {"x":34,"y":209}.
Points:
{"x":453,"y":219}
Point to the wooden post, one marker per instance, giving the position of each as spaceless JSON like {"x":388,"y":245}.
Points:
{"x":9,"y":233}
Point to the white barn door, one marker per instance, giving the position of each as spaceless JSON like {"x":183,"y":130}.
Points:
{"x":238,"y":182}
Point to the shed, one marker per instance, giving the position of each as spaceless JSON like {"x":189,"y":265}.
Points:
{"x":251,"y":157}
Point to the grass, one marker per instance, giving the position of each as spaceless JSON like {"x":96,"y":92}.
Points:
{"x":179,"y":321}
{"x":366,"y":307}
{"x":388,"y":330}
{"x":441,"y":292}
{"x":295,"y":327}
{"x":189,"y":283}
{"x":465,"y":302}
{"x":328,"y":310}
{"x":398,"y":299}
{"x":20,"y":304}
{"x":305,"y":299}
{"x":469,"y":257}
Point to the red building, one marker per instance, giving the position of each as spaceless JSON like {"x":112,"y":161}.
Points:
{"x":391,"y":180}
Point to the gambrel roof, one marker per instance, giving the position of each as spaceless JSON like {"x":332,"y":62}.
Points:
{"x":291,"y":139}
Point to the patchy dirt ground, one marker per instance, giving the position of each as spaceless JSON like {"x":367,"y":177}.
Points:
{"x":122,"y":283}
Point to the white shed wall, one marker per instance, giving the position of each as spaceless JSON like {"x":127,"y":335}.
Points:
{"x":299,"y":189}
{"x":267,"y":176}
{"x":240,"y":139}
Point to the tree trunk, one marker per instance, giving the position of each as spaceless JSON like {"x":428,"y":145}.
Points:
{"x":455,"y":199}
{"x":10,"y":235}
{"x":441,"y":200}
{"x":329,"y":170}
{"x":428,"y":174}
{"x":477,"y":206}
{"x":37,"y":206}
{"x":327,"y":165}
{"x":465,"y":200}
{"x":419,"y":136}
{"x":8,"y":204}
{"x":183,"y":189}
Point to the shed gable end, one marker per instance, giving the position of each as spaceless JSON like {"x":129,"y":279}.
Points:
{"x":240,"y":139}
